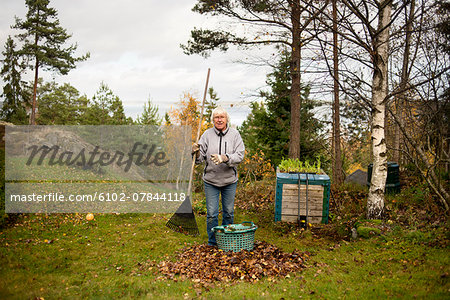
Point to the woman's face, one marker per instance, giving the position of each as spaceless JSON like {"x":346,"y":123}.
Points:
{"x":220,"y":121}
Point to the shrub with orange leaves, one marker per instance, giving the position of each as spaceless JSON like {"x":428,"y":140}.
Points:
{"x":187,"y":112}
{"x":255,"y":167}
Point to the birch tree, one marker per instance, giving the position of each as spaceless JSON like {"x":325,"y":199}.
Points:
{"x":365,"y":26}
{"x":372,"y":26}
{"x":375,"y":201}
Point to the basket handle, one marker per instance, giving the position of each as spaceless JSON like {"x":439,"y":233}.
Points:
{"x":248,"y":222}
{"x":214,"y":229}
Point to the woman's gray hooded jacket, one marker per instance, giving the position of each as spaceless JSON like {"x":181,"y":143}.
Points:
{"x":228,"y":142}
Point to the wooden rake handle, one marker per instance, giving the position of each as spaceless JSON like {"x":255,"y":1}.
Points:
{"x":191,"y":175}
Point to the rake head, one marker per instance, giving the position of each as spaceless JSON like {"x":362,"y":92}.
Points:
{"x":183,"y":220}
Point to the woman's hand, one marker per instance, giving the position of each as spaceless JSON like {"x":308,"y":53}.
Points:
{"x":195,"y":150}
{"x":219,"y":158}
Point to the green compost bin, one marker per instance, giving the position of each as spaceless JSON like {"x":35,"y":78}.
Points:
{"x":287,"y":197}
{"x":392,"y":180}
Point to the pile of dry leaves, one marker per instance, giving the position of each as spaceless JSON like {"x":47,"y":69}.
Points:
{"x":204,"y":263}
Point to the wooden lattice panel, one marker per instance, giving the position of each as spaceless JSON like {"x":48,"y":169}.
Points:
{"x":289,"y":205}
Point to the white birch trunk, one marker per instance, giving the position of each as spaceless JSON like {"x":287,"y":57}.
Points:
{"x":375,"y":201}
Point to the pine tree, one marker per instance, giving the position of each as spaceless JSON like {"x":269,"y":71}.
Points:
{"x":43,"y":43}
{"x":150,"y":115}
{"x":167,"y":120}
{"x":106,"y":108}
{"x":60,"y":104}
{"x":14,"y":91}
{"x":210,"y":106}
{"x":267,"y":126}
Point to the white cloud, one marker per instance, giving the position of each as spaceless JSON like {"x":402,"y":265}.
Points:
{"x":134,"y":48}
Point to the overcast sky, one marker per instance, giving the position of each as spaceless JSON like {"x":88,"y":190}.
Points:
{"x":134,"y":47}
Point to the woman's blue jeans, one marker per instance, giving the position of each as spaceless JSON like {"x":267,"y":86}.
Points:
{"x":212,"y":194}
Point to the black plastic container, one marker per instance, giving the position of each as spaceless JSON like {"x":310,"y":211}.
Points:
{"x":392,"y":180}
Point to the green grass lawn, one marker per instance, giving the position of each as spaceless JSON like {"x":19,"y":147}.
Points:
{"x":115,"y":256}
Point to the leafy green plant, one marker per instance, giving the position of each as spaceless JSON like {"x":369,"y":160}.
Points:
{"x":199,"y":203}
{"x":297,"y":166}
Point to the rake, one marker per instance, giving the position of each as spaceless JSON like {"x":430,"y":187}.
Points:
{"x":183,"y":220}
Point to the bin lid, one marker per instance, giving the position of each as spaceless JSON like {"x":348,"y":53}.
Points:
{"x":295,"y":176}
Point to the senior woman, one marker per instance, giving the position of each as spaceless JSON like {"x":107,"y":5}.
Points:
{"x":222,"y":149}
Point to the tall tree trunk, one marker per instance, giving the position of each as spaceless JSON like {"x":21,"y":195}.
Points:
{"x":338,"y":177}
{"x":34,"y":102}
{"x":36,"y":72}
{"x":375,"y":201}
{"x":400,"y":106}
{"x":294,"y":145}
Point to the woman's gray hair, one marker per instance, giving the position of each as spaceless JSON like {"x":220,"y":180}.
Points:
{"x":220,"y":110}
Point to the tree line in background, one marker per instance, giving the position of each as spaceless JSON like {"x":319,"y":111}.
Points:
{"x":42,"y":46}
{"x":388,"y":58}
{"x":385,"y":63}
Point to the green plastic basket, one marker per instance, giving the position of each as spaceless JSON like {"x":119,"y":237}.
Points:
{"x":235,"y":237}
